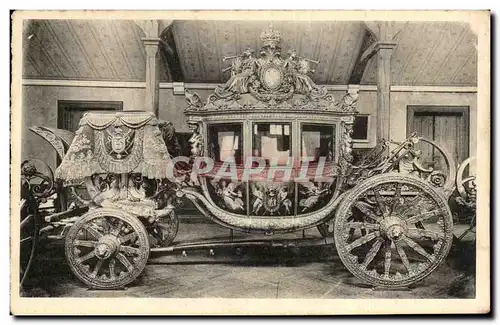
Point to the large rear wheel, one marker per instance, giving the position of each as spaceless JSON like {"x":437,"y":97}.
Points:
{"x":404,"y":234}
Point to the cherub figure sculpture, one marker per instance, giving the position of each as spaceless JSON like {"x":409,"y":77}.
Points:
{"x":232,"y":196}
{"x":285,"y":201}
{"x":259,"y":197}
{"x":313,"y":193}
{"x":298,"y":68}
{"x":238,"y":83}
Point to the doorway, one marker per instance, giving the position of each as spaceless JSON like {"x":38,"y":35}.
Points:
{"x":448,"y":126}
{"x":69,"y":112}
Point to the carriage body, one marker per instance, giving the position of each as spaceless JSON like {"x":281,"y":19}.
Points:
{"x":273,"y":171}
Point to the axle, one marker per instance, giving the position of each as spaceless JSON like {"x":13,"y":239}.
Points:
{"x":285,"y":243}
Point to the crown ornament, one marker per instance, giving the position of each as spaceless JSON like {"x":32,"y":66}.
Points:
{"x":270,"y":37}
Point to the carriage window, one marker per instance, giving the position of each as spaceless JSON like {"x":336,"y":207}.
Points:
{"x":318,"y":141}
{"x":225,"y":141}
{"x":272,"y":141}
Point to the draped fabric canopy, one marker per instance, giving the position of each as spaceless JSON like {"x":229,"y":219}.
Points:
{"x":109,"y":142}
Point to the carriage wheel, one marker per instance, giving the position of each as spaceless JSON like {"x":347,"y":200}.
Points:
{"x":29,"y":228}
{"x":395,"y":249}
{"x":107,"y":248}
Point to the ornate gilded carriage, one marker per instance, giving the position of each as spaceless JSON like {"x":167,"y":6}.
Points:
{"x":270,"y":152}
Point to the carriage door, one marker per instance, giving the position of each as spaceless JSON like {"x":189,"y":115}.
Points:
{"x":446,"y":125}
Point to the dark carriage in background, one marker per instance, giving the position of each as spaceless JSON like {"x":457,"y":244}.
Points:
{"x":281,"y":161}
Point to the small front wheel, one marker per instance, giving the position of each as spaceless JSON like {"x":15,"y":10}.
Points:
{"x":393,"y":230}
{"x":107,"y":248}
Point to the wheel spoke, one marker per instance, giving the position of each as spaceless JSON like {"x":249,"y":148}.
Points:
{"x":364,"y":208}
{"x":125,"y":261}
{"x":97,"y":268}
{"x":387,"y":258}
{"x":397,"y":197}
{"x":106,"y":225}
{"x":129,"y":237}
{"x":22,"y":204}
{"x":26,"y":239}
{"x":116,"y":230}
{"x":402,"y":255}
{"x":372,"y":253}
{"x":25,"y":221}
{"x":85,"y":243}
{"x":417,"y":248}
{"x":94,"y":232}
{"x":363,"y":225}
{"x":362,"y":240}
{"x":130,"y":250}
{"x":423,"y":216}
{"x":380,"y":203}
{"x":112,"y":269}
{"x":423,"y":233}
{"x":86,"y":257}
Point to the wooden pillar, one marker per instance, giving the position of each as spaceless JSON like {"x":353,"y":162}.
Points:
{"x":384,"y":53}
{"x":151,"y":46}
{"x":151,"y":41}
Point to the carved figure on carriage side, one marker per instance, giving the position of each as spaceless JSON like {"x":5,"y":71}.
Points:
{"x":196,"y":139}
{"x":284,"y":199}
{"x":313,"y":192}
{"x":230,"y":193}
{"x":258,"y":195}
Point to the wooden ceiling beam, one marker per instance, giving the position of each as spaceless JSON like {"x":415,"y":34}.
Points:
{"x":172,"y":58}
{"x":367,"y":51}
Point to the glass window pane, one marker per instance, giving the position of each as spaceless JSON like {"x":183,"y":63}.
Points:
{"x":318,"y":141}
{"x":225,"y":141}
{"x":272,"y":141}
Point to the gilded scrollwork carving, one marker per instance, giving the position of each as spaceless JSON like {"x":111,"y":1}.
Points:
{"x":349,"y":101}
{"x":346,"y":157}
{"x":193,"y":100}
{"x":196,"y":139}
{"x":269,"y":81}
{"x":41,"y":183}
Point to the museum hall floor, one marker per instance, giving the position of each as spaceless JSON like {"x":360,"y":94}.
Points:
{"x":315,"y":272}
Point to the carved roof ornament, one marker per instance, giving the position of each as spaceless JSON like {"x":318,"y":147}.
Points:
{"x":269,"y":81}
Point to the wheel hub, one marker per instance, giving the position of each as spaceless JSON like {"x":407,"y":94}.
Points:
{"x":107,"y":246}
{"x":393,"y":228}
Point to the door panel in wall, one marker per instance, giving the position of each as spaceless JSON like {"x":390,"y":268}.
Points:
{"x":71,"y":111}
{"x":448,"y":126}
